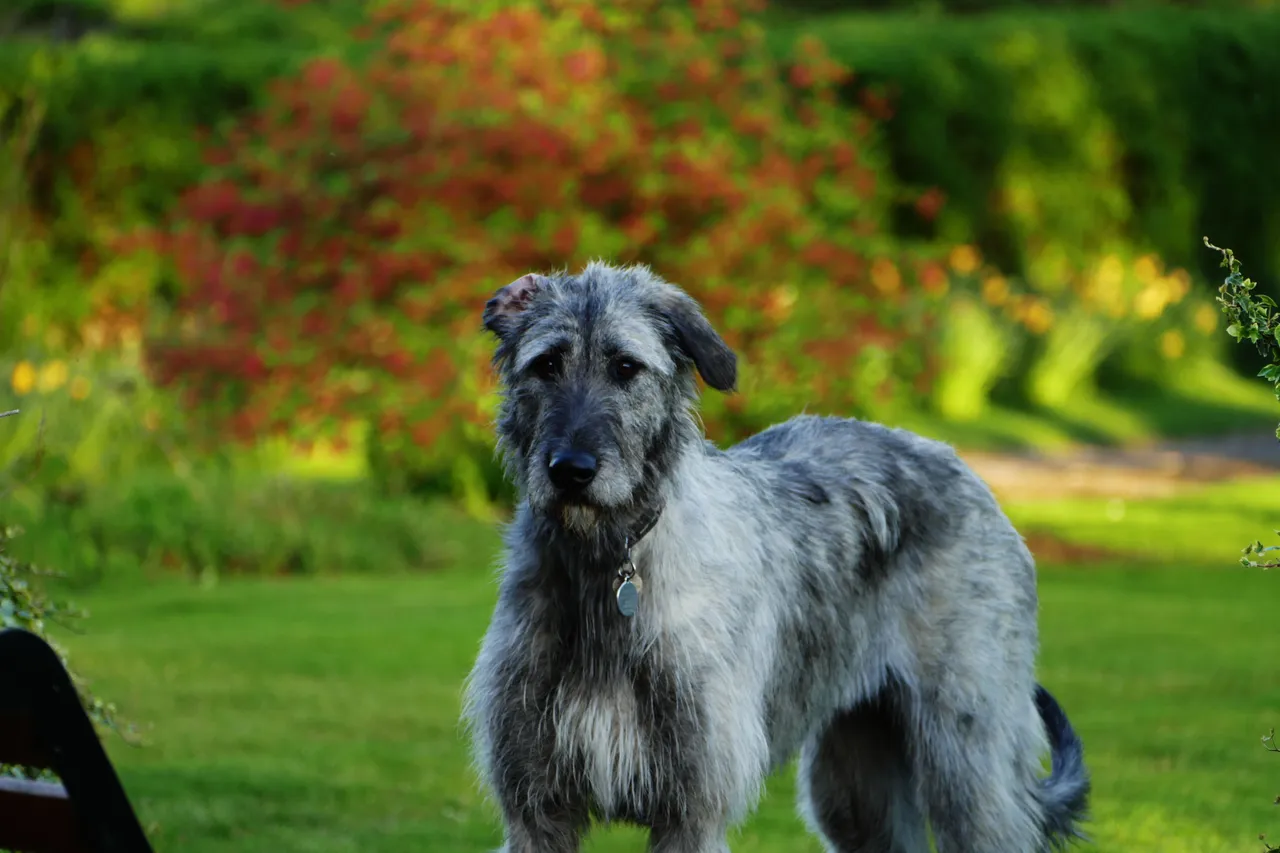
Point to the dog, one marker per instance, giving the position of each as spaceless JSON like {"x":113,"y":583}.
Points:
{"x":674,"y":621}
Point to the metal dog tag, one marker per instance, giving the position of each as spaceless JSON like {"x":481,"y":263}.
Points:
{"x":628,"y":598}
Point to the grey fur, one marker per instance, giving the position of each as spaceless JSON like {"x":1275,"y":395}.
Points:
{"x":828,"y":588}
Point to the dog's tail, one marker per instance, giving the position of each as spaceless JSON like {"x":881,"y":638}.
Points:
{"x":1064,"y":794}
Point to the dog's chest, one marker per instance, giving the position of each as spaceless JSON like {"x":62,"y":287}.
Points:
{"x":601,"y":730}
{"x":619,"y":734}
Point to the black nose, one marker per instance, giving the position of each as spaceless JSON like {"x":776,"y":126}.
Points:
{"x":572,"y":470}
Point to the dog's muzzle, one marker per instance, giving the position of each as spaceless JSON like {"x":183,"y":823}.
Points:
{"x":571,"y":471}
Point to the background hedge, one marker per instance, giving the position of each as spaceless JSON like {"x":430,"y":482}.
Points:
{"x":1156,"y":123}
{"x":1104,"y":140}
{"x":125,"y":89}
{"x":1057,"y":131}
{"x":979,"y":6}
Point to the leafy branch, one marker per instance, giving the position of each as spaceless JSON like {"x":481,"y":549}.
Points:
{"x":1269,"y":744}
{"x":1252,"y":317}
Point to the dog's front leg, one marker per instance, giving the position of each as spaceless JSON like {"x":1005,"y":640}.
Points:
{"x":692,"y":836}
{"x":543,"y":833}
{"x":543,"y":805}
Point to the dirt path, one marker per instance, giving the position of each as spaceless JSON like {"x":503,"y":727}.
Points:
{"x":1128,"y":472}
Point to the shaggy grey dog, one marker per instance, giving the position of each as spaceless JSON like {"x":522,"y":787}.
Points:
{"x":675,"y":621}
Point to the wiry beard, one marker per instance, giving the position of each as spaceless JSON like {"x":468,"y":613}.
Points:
{"x":579,"y":519}
{"x":586,"y":540}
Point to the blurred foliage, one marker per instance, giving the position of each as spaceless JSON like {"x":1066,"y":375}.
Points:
{"x":126,"y":87}
{"x":1069,"y":165}
{"x":23,"y":601}
{"x":212,"y":521}
{"x":961,"y":7}
{"x":1058,"y":139}
{"x":332,"y":260}
{"x":1055,"y":341}
{"x":90,"y":418}
{"x":101,"y":472}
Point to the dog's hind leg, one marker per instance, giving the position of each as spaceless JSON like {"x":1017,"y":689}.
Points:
{"x":980,"y":778}
{"x":856,"y":785}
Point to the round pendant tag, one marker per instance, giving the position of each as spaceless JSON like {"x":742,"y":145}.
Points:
{"x":628,"y":598}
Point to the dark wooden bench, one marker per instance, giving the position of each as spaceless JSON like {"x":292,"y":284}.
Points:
{"x":43,"y":726}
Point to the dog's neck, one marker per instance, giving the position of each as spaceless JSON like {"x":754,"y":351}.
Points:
{"x":597,"y":552}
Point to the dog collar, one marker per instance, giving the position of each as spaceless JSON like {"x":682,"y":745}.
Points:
{"x":647,"y":523}
{"x":628,"y":586}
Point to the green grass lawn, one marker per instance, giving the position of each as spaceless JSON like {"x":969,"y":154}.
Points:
{"x":320,"y":714}
{"x":1199,"y":524}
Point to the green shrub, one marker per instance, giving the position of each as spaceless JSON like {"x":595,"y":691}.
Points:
{"x":206,"y":521}
{"x":1059,"y":138}
{"x":125,"y":105}
{"x":959,"y":7}
{"x":1056,"y":340}
{"x":334,"y":259}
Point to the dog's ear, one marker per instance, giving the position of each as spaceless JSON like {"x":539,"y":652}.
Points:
{"x":509,"y":301}
{"x":716,"y":363}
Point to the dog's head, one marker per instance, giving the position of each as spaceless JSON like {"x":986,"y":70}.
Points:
{"x":597,"y":374}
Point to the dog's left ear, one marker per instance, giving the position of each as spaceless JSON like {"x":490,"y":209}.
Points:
{"x":509,"y":302}
{"x":716,"y":363}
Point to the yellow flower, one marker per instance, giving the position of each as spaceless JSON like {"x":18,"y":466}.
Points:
{"x":1172,"y":344}
{"x":151,"y":420}
{"x":1038,"y":317}
{"x":1206,"y":319}
{"x":23,"y":378}
{"x":1149,"y":302}
{"x":1147,"y":269}
{"x":52,"y":376}
{"x":1110,"y":273}
{"x":79,"y":388}
{"x":964,"y":259}
{"x":1104,"y":286}
{"x":995,"y":290}
{"x":885,"y":276}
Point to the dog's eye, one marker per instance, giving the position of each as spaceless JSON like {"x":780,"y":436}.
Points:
{"x":547,"y":365}
{"x":624,"y":369}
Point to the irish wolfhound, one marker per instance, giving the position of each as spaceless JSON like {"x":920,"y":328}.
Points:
{"x":675,"y":621}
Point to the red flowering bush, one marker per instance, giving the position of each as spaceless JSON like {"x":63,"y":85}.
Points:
{"x":334,"y":262}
